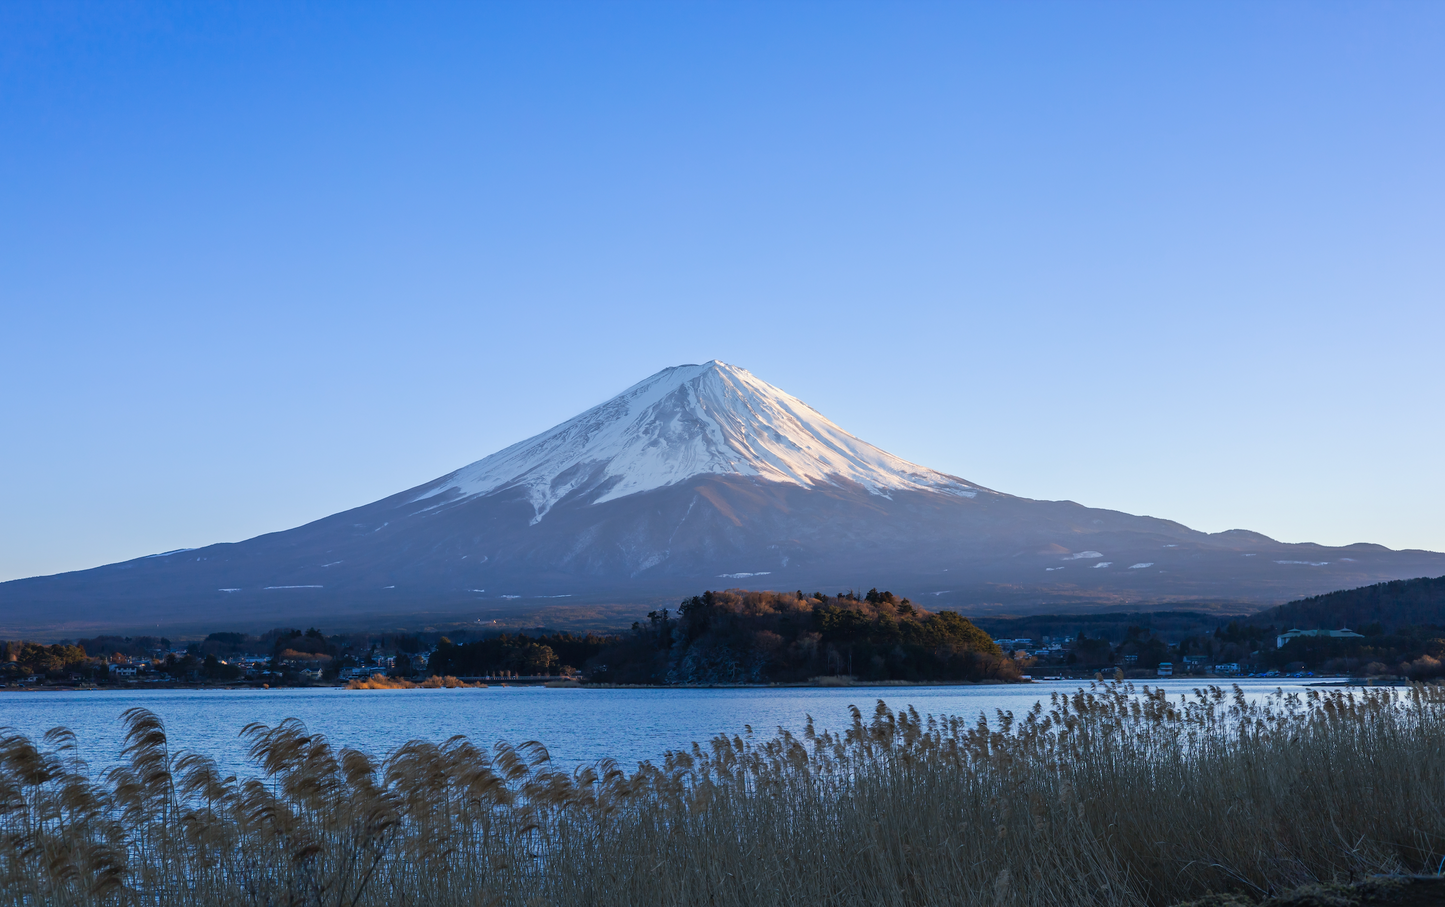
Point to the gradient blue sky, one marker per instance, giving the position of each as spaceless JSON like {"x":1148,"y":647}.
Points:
{"x":263,"y":262}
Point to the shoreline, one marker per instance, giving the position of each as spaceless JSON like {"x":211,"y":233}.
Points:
{"x":831,"y":683}
{"x":544,"y":684}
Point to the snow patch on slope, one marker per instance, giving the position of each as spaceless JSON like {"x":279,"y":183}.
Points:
{"x":683,"y":422}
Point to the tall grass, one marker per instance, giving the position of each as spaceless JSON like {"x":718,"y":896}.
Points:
{"x":1111,"y":796}
{"x":380,"y":681}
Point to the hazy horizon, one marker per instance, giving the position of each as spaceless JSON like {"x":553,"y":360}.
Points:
{"x":262,"y":264}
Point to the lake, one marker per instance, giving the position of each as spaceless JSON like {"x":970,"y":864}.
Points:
{"x":576,"y":725}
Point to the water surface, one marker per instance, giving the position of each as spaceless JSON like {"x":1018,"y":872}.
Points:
{"x":576,"y":725}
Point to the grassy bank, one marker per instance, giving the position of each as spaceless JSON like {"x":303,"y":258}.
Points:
{"x":1108,"y":797}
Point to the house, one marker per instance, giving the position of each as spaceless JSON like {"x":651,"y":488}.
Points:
{"x":127,"y":670}
{"x":1227,"y":668}
{"x":1166,"y":669}
{"x":1343,"y":633}
{"x":1196,"y":661}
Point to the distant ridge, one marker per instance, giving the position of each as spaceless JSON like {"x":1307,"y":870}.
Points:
{"x":699,"y":477}
{"x":1394,"y":604}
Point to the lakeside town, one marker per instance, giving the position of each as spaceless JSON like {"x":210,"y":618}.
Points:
{"x":839,"y":639}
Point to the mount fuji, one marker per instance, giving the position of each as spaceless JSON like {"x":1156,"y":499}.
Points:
{"x":701,"y":476}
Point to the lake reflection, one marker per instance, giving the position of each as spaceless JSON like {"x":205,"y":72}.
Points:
{"x":576,"y":725}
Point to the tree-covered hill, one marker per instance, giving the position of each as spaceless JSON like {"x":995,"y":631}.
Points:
{"x":741,"y":636}
{"x":1390,"y":606}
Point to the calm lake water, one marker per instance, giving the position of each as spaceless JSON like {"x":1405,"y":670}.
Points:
{"x":576,"y":725}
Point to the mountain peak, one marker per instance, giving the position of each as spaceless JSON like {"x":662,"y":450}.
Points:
{"x":685,"y":421}
{"x":698,"y":476}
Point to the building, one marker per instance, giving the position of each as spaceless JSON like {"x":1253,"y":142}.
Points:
{"x":1343,"y":633}
{"x":1166,"y":669}
{"x":361,"y":673}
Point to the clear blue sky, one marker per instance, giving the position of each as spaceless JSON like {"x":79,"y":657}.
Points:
{"x":260,"y":262}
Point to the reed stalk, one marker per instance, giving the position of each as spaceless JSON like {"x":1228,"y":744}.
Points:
{"x":1110,"y":796}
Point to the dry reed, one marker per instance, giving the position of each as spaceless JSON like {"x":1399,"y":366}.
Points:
{"x":382,"y":682}
{"x":1111,"y":796}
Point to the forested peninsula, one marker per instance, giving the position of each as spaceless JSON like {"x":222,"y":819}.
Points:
{"x":739,"y":636}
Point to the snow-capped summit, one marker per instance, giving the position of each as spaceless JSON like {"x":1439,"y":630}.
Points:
{"x":682,"y":422}
{"x":698,"y":478}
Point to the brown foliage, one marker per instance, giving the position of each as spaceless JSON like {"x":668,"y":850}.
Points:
{"x":382,"y":682}
{"x":1113,"y":797}
{"x":748,"y":636}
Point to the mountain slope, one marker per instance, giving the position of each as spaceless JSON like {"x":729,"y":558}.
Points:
{"x":699,"y":477}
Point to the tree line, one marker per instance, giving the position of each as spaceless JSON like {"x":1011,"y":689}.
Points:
{"x":555,"y":653}
{"x":739,"y":636}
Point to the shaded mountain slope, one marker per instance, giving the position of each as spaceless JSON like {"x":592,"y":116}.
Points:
{"x":699,"y":477}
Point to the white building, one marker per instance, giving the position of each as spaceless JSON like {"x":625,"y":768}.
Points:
{"x":1342,"y":633}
